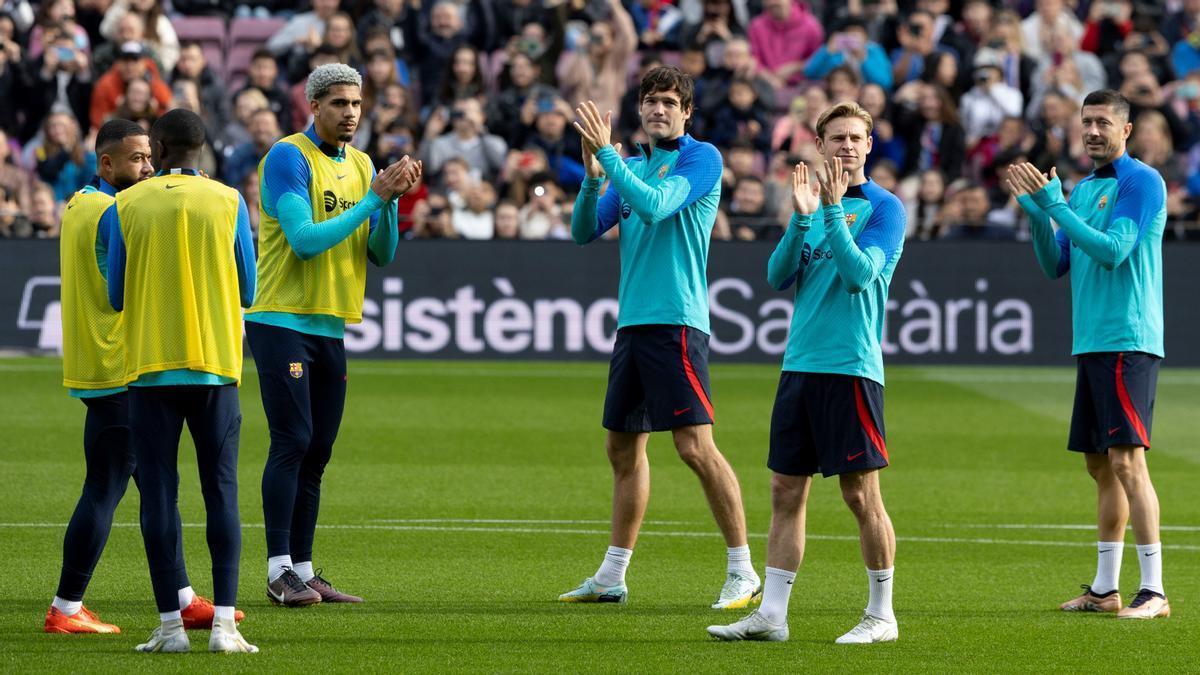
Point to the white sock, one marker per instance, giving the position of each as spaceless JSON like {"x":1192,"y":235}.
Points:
{"x":276,"y":565}
{"x":67,"y":607}
{"x":304,"y":570}
{"x":612,"y":570}
{"x":880,"y":603}
{"x":1108,"y":566}
{"x":186,"y":595}
{"x":739,"y":561}
{"x":776,"y":592}
{"x":223,"y":613}
{"x":1150,"y":562}
{"x":170,"y":616}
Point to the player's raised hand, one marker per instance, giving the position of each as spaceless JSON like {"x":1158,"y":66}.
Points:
{"x":806,"y":191}
{"x":591,"y":165}
{"x":1012,"y":183}
{"x":595,"y":130}
{"x":834,"y":182}
{"x":387,"y":181}
{"x":410,"y":177}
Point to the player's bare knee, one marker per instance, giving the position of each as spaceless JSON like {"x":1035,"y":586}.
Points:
{"x":788,"y":492}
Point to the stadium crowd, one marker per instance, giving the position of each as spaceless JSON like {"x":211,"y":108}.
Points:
{"x":484,"y":90}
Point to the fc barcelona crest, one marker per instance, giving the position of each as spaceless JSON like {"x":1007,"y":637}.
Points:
{"x":662,"y":172}
{"x":850,"y":218}
{"x":1103,"y":202}
{"x":296,"y":370}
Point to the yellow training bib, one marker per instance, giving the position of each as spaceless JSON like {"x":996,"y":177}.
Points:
{"x":92,"y":331}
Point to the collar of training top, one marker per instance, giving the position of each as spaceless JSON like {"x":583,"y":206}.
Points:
{"x":670,"y":144}
{"x":179,"y":172}
{"x":1110,"y":170}
{"x":327,"y":149}
{"x":101,"y":185}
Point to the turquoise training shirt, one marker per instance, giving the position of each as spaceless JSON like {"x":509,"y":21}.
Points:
{"x":665,"y":201}
{"x":1110,"y":241}
{"x":841,"y":259}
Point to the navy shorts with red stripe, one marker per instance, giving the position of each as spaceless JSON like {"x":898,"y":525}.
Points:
{"x":658,"y":379}
{"x":1114,"y":400}
{"x":827,"y":423}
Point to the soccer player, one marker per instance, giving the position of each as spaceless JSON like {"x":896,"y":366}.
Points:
{"x":94,"y":372}
{"x":180,"y":258}
{"x":840,"y":250}
{"x":665,"y":202}
{"x":1110,"y":240}
{"x":324,"y":215}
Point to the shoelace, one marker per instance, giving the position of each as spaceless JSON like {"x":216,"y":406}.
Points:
{"x":1142,"y":597}
{"x":320,"y":579}
{"x":292,"y":580}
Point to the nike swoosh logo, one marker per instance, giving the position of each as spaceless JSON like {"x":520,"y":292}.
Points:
{"x":1106,"y":550}
{"x":341,"y":176}
{"x":790,"y":582}
{"x":851,"y":458}
{"x":680,"y":412}
{"x":171,"y":187}
{"x":273,"y":594}
{"x":1149,"y":554}
{"x":1113,"y":431}
{"x":883,"y":579}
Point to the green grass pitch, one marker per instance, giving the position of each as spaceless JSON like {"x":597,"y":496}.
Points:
{"x":464,"y":497}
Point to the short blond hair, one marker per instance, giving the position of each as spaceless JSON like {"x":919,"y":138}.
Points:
{"x":844,"y":109}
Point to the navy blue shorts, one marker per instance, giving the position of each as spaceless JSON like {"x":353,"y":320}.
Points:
{"x":658,"y":379}
{"x":1114,"y":401}
{"x":827,"y":423}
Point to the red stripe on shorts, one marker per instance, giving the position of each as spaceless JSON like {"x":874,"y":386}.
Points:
{"x":1131,"y":412}
{"x":864,"y":418}
{"x":691,"y":375}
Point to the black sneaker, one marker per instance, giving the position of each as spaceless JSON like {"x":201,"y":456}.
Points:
{"x":289,"y":591}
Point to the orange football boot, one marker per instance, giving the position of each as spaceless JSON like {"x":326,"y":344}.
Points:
{"x":199,"y":614}
{"x":81,"y":622}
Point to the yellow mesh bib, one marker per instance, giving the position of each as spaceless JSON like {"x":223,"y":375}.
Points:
{"x":182,"y":305}
{"x":333,"y":282}
{"x":93,"y":351}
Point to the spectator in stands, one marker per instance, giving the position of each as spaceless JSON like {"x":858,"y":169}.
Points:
{"x":715,"y":27}
{"x":132,"y":64}
{"x":1108,"y":22}
{"x":339,"y":34}
{"x":245,"y":104}
{"x":431,"y":218}
{"x":976,"y":218}
{"x":741,"y":117}
{"x":1151,"y":143}
{"x":472,"y":218}
{"x":843,"y":84}
{"x":392,"y":115}
{"x":886,"y":174}
{"x":542,"y":215}
{"x":506,"y":220}
{"x":1006,"y":38}
{"x":467,"y":138}
{"x":301,"y":116}
{"x":544,"y":43}
{"x":928,"y":119}
{"x":386,"y":15}
{"x":1066,"y":68}
{"x":138,"y":105}
{"x":750,"y":216}
{"x":303,"y":32}
{"x":263,"y":75}
{"x":462,"y":79}
{"x":885,"y":144}
{"x":44,"y":210}
{"x":741,"y":160}
{"x":629,"y":121}
{"x":990,"y":101}
{"x":791,"y":131}
{"x":656,"y":22}
{"x":21,"y":14}
{"x":737,"y":61}
{"x":513,"y":111}
{"x":850,"y":46}
{"x":264,"y":131}
{"x":57,"y":15}
{"x":558,"y":141}
{"x":1039,"y":28}
{"x":13,"y":178}
{"x":159,"y":34}
{"x":1055,"y":126}
{"x":1145,"y":93}
{"x":14,"y":223}
{"x":193,"y":67}
{"x":520,"y":167}
{"x":924,"y":209}
{"x":63,"y":161}
{"x":130,"y":28}
{"x":61,"y":80}
{"x":782,"y":39}
{"x":437,"y":30}
{"x":598,"y":69}
{"x":513,"y":15}
{"x":975,"y":27}
{"x":915,"y":36}
{"x":941,"y":68}
{"x":10,"y":70}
